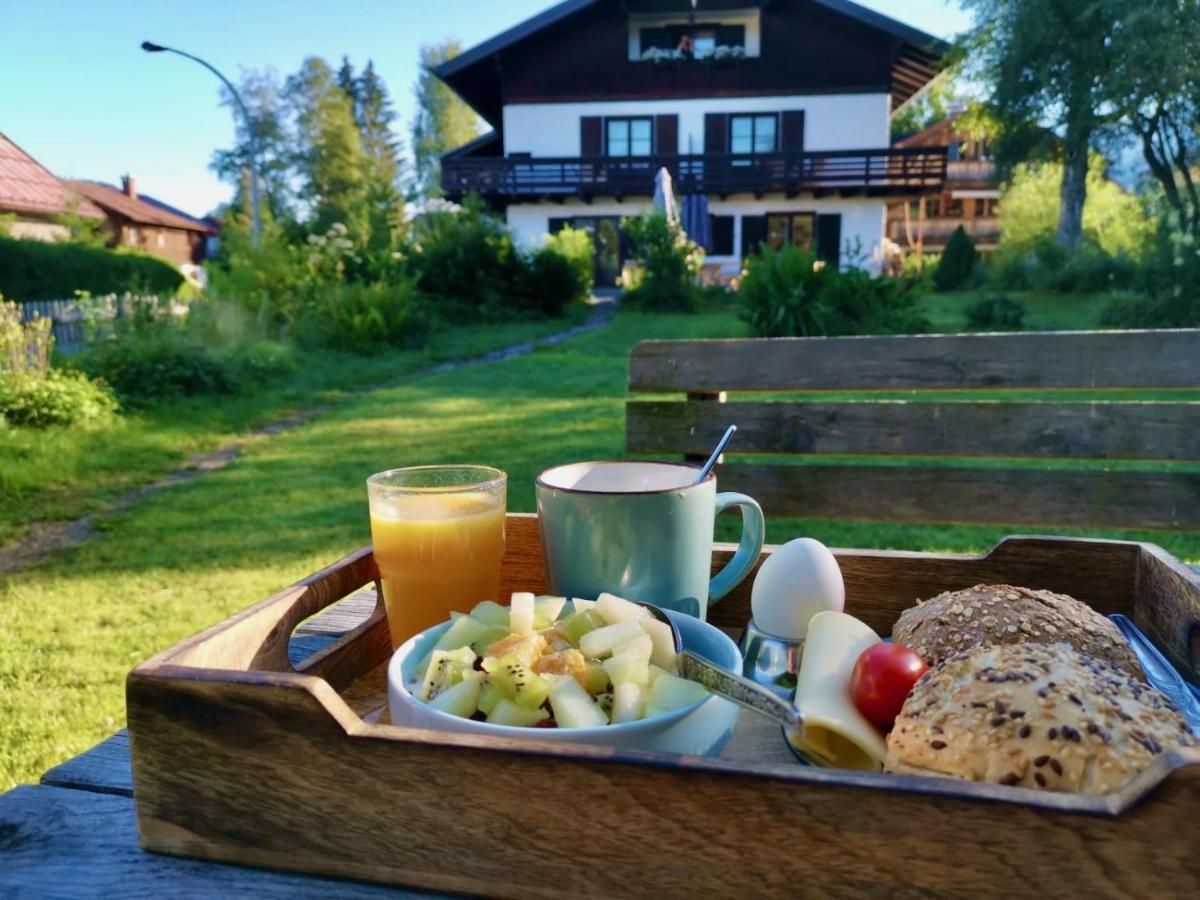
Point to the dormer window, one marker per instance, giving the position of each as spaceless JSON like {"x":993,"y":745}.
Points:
{"x":727,"y":34}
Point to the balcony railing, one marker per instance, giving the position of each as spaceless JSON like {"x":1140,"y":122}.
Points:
{"x":983,"y":229}
{"x":873,"y":172}
{"x":982,"y":171}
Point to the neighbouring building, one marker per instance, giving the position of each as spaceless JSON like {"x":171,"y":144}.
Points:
{"x":777,"y":114}
{"x":37,"y":199}
{"x":149,"y":225}
{"x":968,"y":198}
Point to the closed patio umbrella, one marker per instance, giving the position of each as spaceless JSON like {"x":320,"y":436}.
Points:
{"x":696,"y":223}
{"x":664,"y":196}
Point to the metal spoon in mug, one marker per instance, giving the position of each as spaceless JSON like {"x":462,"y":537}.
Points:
{"x":716,"y":454}
{"x":741,"y":690}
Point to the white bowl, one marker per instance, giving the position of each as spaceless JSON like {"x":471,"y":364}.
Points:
{"x":701,"y":729}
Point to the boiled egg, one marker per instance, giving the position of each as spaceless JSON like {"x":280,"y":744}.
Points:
{"x":797,"y":581}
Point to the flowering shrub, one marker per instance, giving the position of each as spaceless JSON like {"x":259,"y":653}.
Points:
{"x":668,"y":263}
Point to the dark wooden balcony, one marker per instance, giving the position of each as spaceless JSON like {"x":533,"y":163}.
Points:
{"x":887,"y":172}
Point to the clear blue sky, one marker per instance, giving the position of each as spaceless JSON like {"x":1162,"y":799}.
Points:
{"x":81,"y":97}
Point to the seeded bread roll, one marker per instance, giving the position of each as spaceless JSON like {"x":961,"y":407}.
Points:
{"x":990,"y":614}
{"x":1042,"y":716}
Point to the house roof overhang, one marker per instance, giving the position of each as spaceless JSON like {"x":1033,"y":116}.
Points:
{"x":473,"y":74}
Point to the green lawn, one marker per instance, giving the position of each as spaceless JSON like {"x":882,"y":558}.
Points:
{"x":188,"y":556}
{"x":1044,"y":310}
{"x":64,"y":473}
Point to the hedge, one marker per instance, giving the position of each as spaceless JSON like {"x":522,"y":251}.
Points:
{"x":35,"y":270}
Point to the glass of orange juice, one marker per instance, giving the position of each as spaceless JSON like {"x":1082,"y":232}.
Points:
{"x":438,"y":536}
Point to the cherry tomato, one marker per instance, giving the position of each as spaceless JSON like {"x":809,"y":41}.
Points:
{"x":882,"y":678}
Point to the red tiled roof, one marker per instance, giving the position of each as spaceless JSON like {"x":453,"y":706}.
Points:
{"x":135,"y":209}
{"x":26,"y":186}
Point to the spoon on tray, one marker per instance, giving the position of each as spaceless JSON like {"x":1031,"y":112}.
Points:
{"x":733,"y":687}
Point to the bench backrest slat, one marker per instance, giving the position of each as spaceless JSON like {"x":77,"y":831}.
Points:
{"x":1109,"y":430}
{"x":1083,"y":359}
{"x":886,"y":486}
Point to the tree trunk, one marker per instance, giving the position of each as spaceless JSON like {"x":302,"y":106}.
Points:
{"x":1074,"y":188}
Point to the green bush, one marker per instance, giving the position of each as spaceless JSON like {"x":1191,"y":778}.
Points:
{"x":158,"y":366}
{"x":788,"y":293}
{"x":998,"y":313}
{"x":668,"y":263}
{"x":574,"y":246}
{"x":35,"y":270}
{"x":1043,"y":265}
{"x":58,"y":398}
{"x":467,"y":262}
{"x":551,"y":281}
{"x":957,"y":262}
{"x":366,"y":318}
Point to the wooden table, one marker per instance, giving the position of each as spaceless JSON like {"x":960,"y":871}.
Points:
{"x":74,"y":835}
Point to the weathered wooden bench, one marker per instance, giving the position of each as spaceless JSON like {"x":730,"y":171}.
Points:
{"x":902,"y":448}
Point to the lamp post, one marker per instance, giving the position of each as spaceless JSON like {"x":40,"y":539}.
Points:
{"x":151,"y":47}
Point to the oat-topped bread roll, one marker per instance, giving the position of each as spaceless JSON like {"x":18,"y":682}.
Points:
{"x":990,"y":614}
{"x":1035,"y":715}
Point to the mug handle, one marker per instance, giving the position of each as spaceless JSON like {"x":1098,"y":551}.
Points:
{"x":750,"y":546}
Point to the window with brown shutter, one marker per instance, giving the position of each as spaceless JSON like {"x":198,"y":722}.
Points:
{"x":666,"y":135}
{"x":716,"y":133}
{"x":791,"y":130}
{"x":589,"y":136}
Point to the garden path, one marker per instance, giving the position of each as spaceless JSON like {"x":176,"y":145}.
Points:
{"x":45,"y":538}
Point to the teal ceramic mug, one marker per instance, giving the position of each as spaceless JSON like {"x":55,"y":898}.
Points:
{"x":641,"y":530}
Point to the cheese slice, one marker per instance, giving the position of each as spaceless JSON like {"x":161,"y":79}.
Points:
{"x":835,"y":732}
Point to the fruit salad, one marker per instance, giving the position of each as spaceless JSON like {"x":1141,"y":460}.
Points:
{"x":544,"y":662}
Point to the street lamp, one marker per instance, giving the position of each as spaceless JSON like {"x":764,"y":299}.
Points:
{"x":151,"y":47}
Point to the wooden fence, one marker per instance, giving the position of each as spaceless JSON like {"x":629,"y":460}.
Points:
{"x":70,"y":318}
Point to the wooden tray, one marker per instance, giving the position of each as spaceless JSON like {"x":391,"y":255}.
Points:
{"x":238,"y":757}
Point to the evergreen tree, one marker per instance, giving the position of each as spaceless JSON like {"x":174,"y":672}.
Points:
{"x":375,"y":117}
{"x":329,"y":161}
{"x":443,"y":120}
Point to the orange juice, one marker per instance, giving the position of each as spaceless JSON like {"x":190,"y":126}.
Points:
{"x":436,"y":553}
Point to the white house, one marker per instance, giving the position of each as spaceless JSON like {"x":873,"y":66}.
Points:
{"x":776,"y":113}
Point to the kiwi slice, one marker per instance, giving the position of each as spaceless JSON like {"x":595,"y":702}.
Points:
{"x":446,"y":669}
{"x":595,"y":677}
{"x":490,"y":694}
{"x":508,"y":713}
{"x":579,"y":624}
{"x":518,"y":682}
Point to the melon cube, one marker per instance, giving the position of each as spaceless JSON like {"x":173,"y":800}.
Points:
{"x":465,"y":631}
{"x":617,"y":609}
{"x":632,"y":665}
{"x":520,"y":613}
{"x":640,"y":644}
{"x":629,"y":700}
{"x":603,"y":641}
{"x":663,"y":655}
{"x":460,"y":700}
{"x":668,"y":692}
{"x":492,"y":613}
{"x":572,"y":706}
{"x":546,"y":610}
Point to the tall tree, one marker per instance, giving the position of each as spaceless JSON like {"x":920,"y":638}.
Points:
{"x":1050,"y":61}
{"x":263,"y":95}
{"x":375,"y":117}
{"x":1157,"y":89}
{"x":329,"y":160}
{"x":443,"y":120}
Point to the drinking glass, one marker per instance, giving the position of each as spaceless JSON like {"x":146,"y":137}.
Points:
{"x":438,"y":535}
